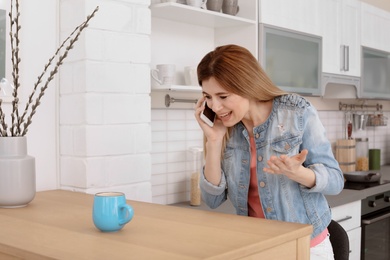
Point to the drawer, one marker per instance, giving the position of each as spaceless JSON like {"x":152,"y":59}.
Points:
{"x":348,"y":215}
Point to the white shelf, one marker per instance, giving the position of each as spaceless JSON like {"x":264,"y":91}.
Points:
{"x":197,"y":16}
{"x":182,"y":88}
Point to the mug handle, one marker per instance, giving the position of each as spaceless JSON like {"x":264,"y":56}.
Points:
{"x":154,"y":74}
{"x":203,"y":6}
{"x":127,"y":215}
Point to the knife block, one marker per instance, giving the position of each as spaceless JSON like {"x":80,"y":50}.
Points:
{"x":346,"y":154}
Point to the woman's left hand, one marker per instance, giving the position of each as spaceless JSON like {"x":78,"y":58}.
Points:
{"x":292,"y":168}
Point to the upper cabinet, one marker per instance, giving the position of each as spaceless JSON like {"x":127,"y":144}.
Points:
{"x":289,"y":32}
{"x":375,"y":74}
{"x":297,"y":15}
{"x":375,"y":28}
{"x":280,"y":51}
{"x":183,"y":34}
{"x":341,"y":37}
{"x":376,"y":52}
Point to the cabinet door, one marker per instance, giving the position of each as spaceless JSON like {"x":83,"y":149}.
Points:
{"x":341,"y":37}
{"x":331,"y":62}
{"x":298,"y":15}
{"x":375,"y":74}
{"x":350,"y":35}
{"x":375,"y":24}
{"x":354,"y":236}
{"x":281,"y":50}
{"x":348,"y":216}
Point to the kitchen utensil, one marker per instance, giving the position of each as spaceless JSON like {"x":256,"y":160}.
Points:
{"x":164,"y":74}
{"x":359,"y":121}
{"x":230,"y":7}
{"x":349,"y":130}
{"x":214,"y":5}
{"x":348,"y":125}
{"x":191,"y":76}
{"x":363,"y":176}
{"x":197,"y":3}
{"x":110,"y":211}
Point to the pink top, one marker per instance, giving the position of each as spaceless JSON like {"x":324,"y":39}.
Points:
{"x":254,"y":204}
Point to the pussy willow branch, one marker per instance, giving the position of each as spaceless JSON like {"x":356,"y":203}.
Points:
{"x":54,"y":71}
{"x":39,"y":80}
{"x":3,"y":125}
{"x":14,"y":23}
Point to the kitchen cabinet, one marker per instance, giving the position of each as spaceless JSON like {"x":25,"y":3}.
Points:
{"x":348,"y":216}
{"x":375,"y":52}
{"x":299,"y":15}
{"x":375,"y":74}
{"x":375,"y":27}
{"x":183,"y":34}
{"x":341,"y":37}
{"x":280,"y":49}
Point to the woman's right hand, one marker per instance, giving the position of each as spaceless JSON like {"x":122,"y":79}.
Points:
{"x":217,"y":132}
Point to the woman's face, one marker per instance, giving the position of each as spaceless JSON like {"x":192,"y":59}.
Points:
{"x":230,"y":108}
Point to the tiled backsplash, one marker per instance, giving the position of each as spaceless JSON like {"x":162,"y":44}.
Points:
{"x":175,"y":131}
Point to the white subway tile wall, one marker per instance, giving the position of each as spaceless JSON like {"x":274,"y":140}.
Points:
{"x":175,"y":131}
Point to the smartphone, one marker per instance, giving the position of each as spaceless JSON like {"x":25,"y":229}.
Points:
{"x":208,"y":115}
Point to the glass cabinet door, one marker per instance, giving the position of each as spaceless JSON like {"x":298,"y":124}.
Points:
{"x":291,"y":59}
{"x":375,"y":74}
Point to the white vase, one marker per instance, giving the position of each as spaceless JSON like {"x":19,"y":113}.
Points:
{"x":17,"y":173}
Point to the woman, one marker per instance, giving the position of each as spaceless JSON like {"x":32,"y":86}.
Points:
{"x":267,"y":150}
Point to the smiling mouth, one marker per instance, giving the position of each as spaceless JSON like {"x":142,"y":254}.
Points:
{"x":224,"y":115}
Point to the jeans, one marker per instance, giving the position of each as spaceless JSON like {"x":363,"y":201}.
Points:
{"x":322,"y":251}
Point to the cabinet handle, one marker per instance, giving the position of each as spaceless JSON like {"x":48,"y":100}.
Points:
{"x":346,"y":53}
{"x":344,"y":219}
{"x":342,"y":57}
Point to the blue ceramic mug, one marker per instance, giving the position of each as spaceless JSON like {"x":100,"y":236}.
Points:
{"x":110,"y":211}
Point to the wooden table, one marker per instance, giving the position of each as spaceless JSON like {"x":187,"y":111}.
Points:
{"x":58,"y":225}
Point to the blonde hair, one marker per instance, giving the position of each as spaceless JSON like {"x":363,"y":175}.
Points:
{"x":239,"y":72}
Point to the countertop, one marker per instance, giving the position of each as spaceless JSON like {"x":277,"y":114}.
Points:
{"x":58,"y":225}
{"x":346,"y":196}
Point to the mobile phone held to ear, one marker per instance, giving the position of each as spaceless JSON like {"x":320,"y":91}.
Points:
{"x":208,"y":115}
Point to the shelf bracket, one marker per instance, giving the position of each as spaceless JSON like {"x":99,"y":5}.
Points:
{"x":169,"y":100}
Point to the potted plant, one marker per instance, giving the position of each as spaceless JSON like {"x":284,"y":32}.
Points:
{"x":17,"y":168}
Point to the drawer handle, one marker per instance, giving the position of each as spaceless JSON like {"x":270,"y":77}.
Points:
{"x":344,"y":219}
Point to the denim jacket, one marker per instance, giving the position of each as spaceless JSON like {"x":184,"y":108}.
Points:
{"x":293,"y":125}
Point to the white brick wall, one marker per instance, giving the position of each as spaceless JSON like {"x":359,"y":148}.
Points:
{"x":174,"y":131}
{"x":105,"y":132}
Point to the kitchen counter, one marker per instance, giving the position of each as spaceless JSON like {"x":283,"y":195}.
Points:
{"x":58,"y":225}
{"x":346,"y":196}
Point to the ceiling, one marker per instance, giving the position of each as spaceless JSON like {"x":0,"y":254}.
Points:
{"x":383,"y":4}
